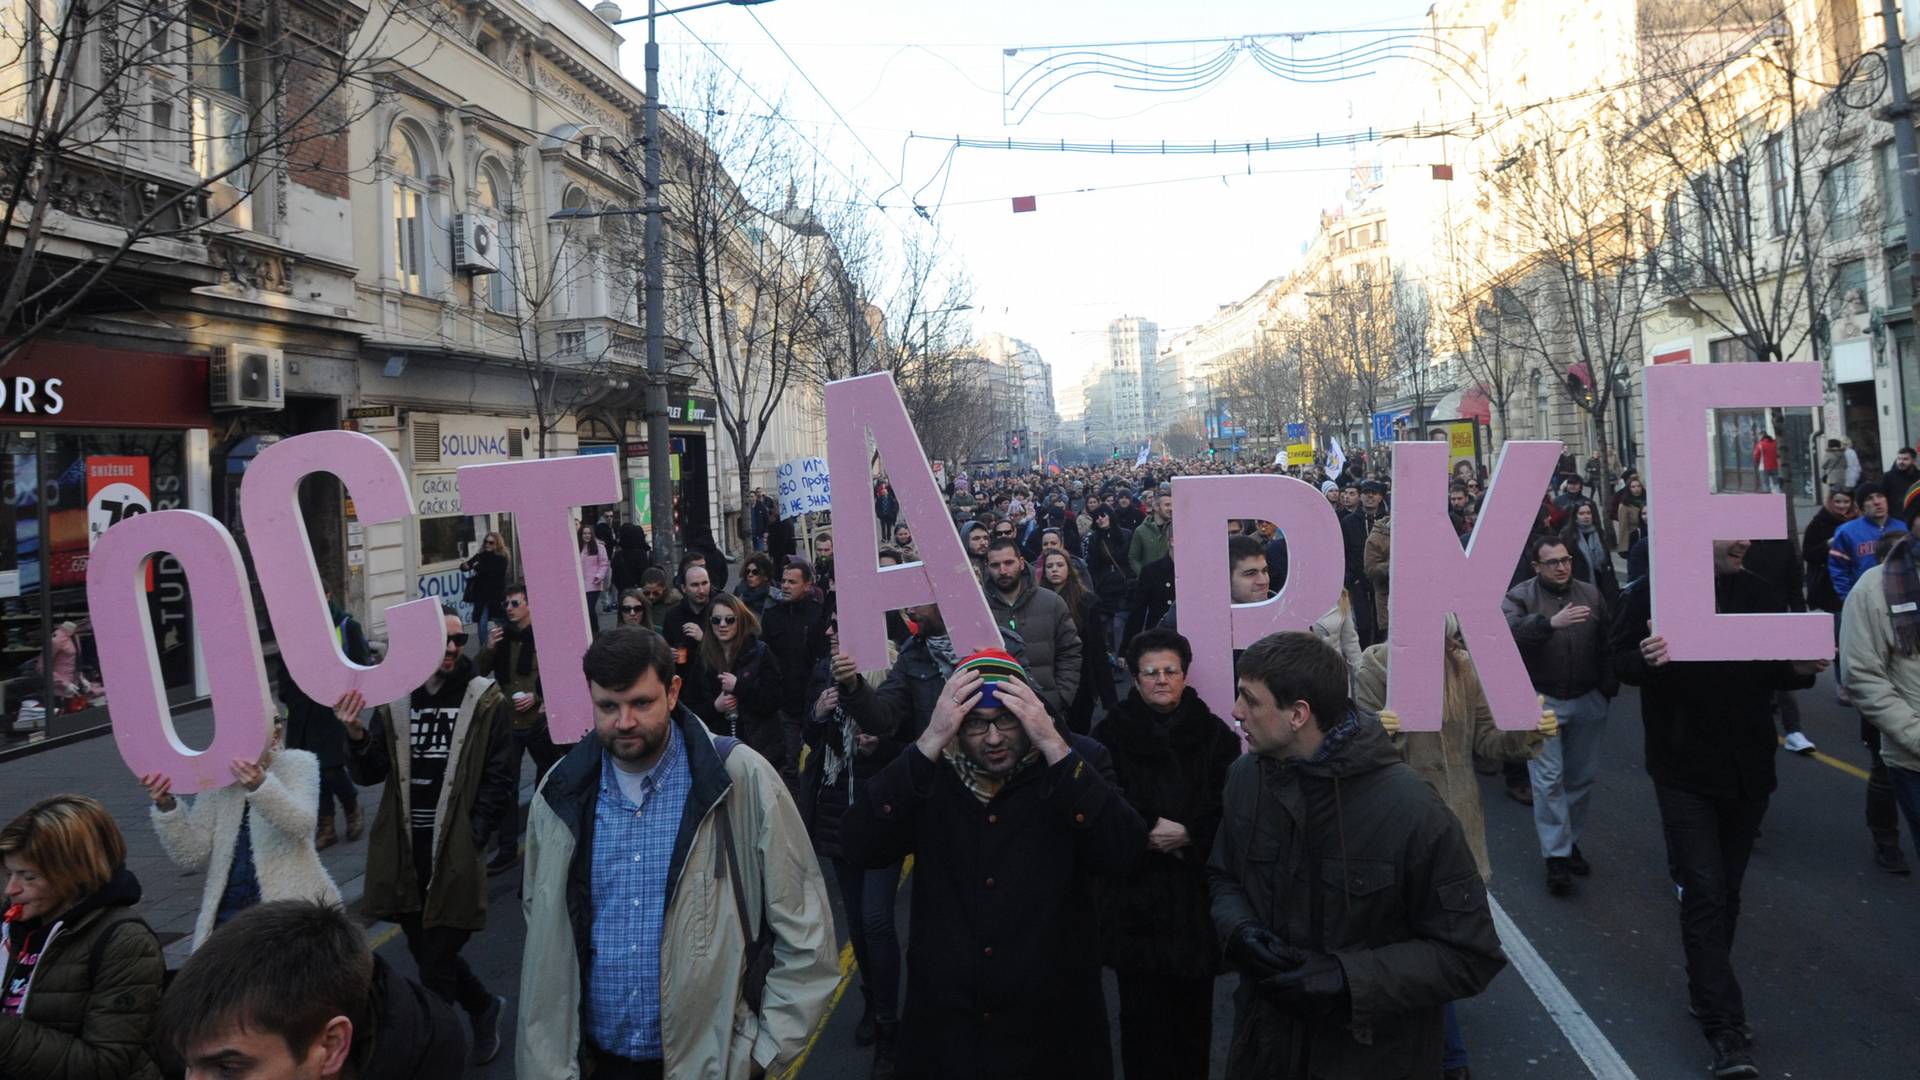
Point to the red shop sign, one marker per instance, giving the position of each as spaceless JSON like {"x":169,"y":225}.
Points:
{"x":61,"y":384}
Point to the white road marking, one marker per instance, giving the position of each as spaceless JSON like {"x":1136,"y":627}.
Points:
{"x":1593,"y":1047}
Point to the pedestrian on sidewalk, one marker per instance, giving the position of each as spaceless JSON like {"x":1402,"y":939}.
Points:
{"x":1710,"y":751}
{"x":512,"y":660}
{"x":291,"y":989}
{"x":1333,"y":982}
{"x":596,"y":568}
{"x":1008,"y":817}
{"x":1560,"y":624}
{"x":486,"y":587}
{"x":254,"y":837}
{"x":449,"y":763}
{"x":794,"y":626}
{"x":1170,"y":759}
{"x":1855,"y":550}
{"x":78,"y":986}
{"x":311,"y":726}
{"x":643,"y":962}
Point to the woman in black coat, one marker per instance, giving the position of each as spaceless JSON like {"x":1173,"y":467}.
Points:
{"x":1156,"y":922}
{"x":840,"y":759}
{"x":1112,"y":574}
{"x":487,"y":583}
{"x":1096,"y":675}
{"x":735,"y":682}
{"x":631,"y":558}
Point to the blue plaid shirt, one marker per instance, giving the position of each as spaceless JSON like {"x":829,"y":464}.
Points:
{"x":632,"y":850}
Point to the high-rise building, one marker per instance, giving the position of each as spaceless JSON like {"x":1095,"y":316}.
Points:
{"x":1131,"y":378}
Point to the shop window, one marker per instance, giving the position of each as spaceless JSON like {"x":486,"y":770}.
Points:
{"x":445,"y":539}
{"x":1843,"y":196}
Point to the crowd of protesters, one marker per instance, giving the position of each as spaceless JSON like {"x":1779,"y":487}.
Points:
{"x":1058,"y":805}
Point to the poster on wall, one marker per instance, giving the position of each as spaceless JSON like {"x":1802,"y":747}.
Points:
{"x":117,"y":488}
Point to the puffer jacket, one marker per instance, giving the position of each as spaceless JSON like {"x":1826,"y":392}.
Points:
{"x":1563,"y":663}
{"x":201,"y":836}
{"x":1042,"y":620}
{"x":1357,"y":857}
{"x":1444,"y":758}
{"x":1155,"y":918}
{"x":80,"y":1022}
{"x":1884,"y":684}
{"x":706,"y":1028}
{"x":1151,"y":542}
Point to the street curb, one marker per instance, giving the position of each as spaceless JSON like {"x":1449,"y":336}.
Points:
{"x":55,"y":742}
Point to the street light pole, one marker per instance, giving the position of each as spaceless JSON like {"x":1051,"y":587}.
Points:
{"x":659,"y":450}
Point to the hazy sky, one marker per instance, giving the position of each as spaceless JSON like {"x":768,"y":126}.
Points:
{"x":1169,"y":251}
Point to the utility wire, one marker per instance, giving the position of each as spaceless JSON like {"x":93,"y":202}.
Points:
{"x":828,"y":102}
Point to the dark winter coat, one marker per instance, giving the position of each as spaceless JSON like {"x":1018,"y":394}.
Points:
{"x":414,"y":1033}
{"x":1108,"y":567}
{"x":482,"y":782}
{"x":487,"y":582}
{"x":1709,"y":725}
{"x":886,"y":507}
{"x":757,"y":692}
{"x":1813,"y":552}
{"x":1358,"y":857}
{"x":1054,"y":650}
{"x":686,"y":649}
{"x":631,"y":558}
{"x":1568,"y":662}
{"x":311,"y":726}
{"x":82,"y":1022}
{"x":1003,"y":979}
{"x":796,"y":631}
{"x":1156,"y":918}
{"x":1153,"y":595}
{"x":823,"y":803}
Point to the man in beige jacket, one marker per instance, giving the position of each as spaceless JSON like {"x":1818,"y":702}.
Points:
{"x":1880,"y":666}
{"x":662,"y":864}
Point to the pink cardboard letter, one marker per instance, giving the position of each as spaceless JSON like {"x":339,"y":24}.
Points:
{"x":1215,"y":626}
{"x":944,"y":576}
{"x":283,"y":563}
{"x":223,"y":617}
{"x":541,"y":496}
{"x":1430,"y":576}
{"x":1690,"y":516}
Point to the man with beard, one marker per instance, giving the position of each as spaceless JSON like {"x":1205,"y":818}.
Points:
{"x":633,"y":976}
{"x":450,"y":754}
{"x":511,"y":660}
{"x":1170,"y":756}
{"x":1149,"y":543}
{"x":978,"y":536}
{"x":1041,"y":619}
{"x":686,"y":622}
{"x":795,"y":629}
{"x":1560,"y":624}
{"x":1007,"y":818}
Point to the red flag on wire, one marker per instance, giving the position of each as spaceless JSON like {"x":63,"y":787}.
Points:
{"x":1443,"y":172}
{"x":1025,"y":204}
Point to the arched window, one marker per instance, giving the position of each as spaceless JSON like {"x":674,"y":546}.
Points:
{"x":489,"y":196}
{"x":572,"y":255}
{"x":409,"y":210}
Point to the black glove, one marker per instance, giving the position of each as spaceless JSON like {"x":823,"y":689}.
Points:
{"x":1259,"y":953}
{"x":1316,"y":984}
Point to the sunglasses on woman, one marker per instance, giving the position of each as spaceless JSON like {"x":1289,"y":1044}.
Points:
{"x":632,"y":609}
{"x":724,"y":620}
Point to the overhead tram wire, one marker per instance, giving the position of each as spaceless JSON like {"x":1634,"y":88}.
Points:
{"x":828,"y":102}
{"x":775,"y":111}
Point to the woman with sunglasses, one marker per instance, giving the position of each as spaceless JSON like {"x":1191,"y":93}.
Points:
{"x":487,"y":582}
{"x":735,"y":681}
{"x":634,"y":610}
{"x":755,"y":586}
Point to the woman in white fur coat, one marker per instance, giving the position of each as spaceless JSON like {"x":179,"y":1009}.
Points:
{"x":278,"y":796}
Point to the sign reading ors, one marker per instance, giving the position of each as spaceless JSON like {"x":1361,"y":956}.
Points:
{"x":804,"y":487}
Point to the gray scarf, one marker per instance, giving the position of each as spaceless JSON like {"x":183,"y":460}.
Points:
{"x":943,"y":653}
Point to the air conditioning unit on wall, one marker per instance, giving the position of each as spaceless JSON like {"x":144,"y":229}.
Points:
{"x":476,"y":243}
{"x":247,"y":377}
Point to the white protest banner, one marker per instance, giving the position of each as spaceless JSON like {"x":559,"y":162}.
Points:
{"x":804,"y":486}
{"x":1336,"y":460}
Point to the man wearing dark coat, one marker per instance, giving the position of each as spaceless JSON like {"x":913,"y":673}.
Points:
{"x":1343,"y":889}
{"x":1007,"y":817}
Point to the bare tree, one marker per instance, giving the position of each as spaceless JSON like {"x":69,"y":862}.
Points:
{"x":758,"y":289}
{"x":1570,"y":296}
{"x":172,"y":125}
{"x":1410,"y":313}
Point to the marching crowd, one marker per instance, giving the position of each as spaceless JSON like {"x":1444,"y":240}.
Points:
{"x":1059,"y":805}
